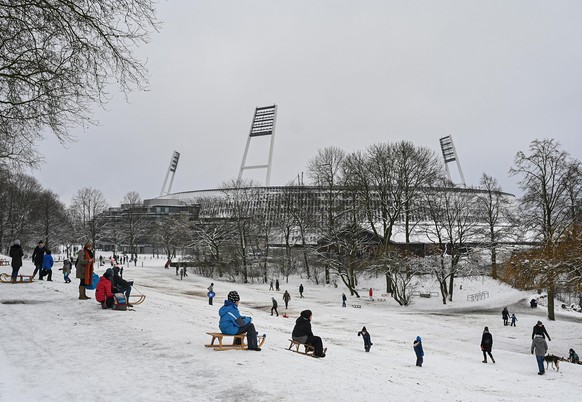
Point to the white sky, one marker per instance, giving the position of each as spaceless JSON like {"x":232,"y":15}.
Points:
{"x":493,"y":74}
{"x":58,"y":348}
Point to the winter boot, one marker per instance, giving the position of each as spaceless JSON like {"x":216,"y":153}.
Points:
{"x":82,"y":294}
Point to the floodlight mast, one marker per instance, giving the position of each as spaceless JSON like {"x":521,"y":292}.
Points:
{"x":450,"y":155}
{"x":171,"y":169}
{"x":263,"y":124}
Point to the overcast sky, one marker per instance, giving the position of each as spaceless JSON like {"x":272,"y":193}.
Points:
{"x":493,"y":74}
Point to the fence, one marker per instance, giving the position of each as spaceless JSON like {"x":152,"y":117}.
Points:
{"x":478,"y":296}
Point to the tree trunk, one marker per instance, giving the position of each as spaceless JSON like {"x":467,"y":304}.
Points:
{"x":494,"y":262}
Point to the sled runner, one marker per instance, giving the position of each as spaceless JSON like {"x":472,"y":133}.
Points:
{"x":308,"y":349}
{"x":235,"y":345}
{"x":136,"y":299}
{"x":6,"y":278}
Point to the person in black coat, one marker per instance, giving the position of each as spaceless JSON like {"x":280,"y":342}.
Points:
{"x":275,"y":305}
{"x":539,"y":329}
{"x":38,"y":259}
{"x":16,"y":254}
{"x":367,"y":340}
{"x":302,"y":333}
{"x":120,"y":285}
{"x":419,"y":351}
{"x":486,"y":345}
{"x":505,"y":316}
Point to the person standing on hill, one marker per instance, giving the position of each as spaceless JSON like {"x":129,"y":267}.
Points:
{"x":85,"y":261}
{"x":367,"y":339}
{"x":286,"y":298}
{"x":37,"y":259}
{"x":301,"y":291}
{"x":47,"y":266}
{"x":271,"y":285}
{"x":513,"y":320}
{"x":539,"y":346}
{"x":419,"y":351}
{"x":16,"y":254}
{"x":344,"y":299}
{"x":277,"y":285}
{"x":505,"y":316}
{"x":539,"y":329}
{"x":487,"y":344}
{"x":210,"y":293}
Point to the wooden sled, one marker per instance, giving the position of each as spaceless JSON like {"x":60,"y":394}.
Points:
{"x":136,"y":299}
{"x":308,"y":349}
{"x":6,"y":278}
{"x":234,"y":346}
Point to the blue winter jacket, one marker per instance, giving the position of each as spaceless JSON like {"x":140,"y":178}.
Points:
{"x":230,"y":318}
{"x":47,"y":262}
{"x":418,"y":347}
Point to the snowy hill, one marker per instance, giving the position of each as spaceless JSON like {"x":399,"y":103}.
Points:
{"x":58,"y":348}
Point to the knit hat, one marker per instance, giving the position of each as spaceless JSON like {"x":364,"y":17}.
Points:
{"x":17,"y":242}
{"x":418,"y":339}
{"x":540,"y":323}
{"x":306,"y":314}
{"x":108,"y":273}
{"x":486,"y":329}
{"x":364,"y":329}
{"x":115,"y":269}
{"x":233,"y":296}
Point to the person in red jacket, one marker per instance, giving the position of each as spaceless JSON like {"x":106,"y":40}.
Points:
{"x":104,"y":290}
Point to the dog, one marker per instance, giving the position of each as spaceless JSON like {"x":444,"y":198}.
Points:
{"x":553,"y":360}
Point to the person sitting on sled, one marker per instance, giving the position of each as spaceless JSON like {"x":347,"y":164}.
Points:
{"x":232,"y":323}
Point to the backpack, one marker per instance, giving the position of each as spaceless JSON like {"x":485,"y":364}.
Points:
{"x":120,"y":302}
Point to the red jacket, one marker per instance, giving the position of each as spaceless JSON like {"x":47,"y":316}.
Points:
{"x":103,"y":290}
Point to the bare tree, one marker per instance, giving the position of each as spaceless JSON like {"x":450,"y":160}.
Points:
{"x":545,"y":179}
{"x":86,"y":207}
{"x":57,"y":59}
{"x":325,"y":169}
{"x":133,"y":220}
{"x":495,"y":211}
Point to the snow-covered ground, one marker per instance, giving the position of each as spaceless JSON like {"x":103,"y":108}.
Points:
{"x":55,"y":347}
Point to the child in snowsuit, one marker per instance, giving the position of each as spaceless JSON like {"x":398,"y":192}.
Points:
{"x":47,"y":266}
{"x":417,"y":345}
{"x":573,"y":357}
{"x":367,"y":340}
{"x":66,"y":270}
{"x":513,"y":320}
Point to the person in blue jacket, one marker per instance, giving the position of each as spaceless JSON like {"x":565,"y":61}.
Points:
{"x":417,"y":345}
{"x":232,"y":323}
{"x":47,"y":266}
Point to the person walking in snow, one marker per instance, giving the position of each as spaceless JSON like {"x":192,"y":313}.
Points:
{"x":66,"y":270}
{"x":286,"y":298}
{"x":37,"y":259}
{"x":367,"y":340}
{"x":277,"y":285}
{"x":540,"y":348}
{"x":539,"y":329}
{"x":16,"y":253}
{"x":274,"y":306}
{"x":505,"y":316}
{"x":301,"y":291}
{"x":487,"y":344}
{"x":417,"y":346}
{"x":371,"y":293}
{"x":344,"y":298}
{"x":271,"y":286}
{"x":513,"y":320}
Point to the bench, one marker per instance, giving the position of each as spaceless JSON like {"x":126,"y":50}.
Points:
{"x":309,"y":350}
{"x":235,"y":345}
{"x":356,"y":305}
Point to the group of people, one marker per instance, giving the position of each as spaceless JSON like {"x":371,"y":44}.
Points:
{"x":41,"y":257}
{"x":233,"y":323}
{"x":505,"y":317}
